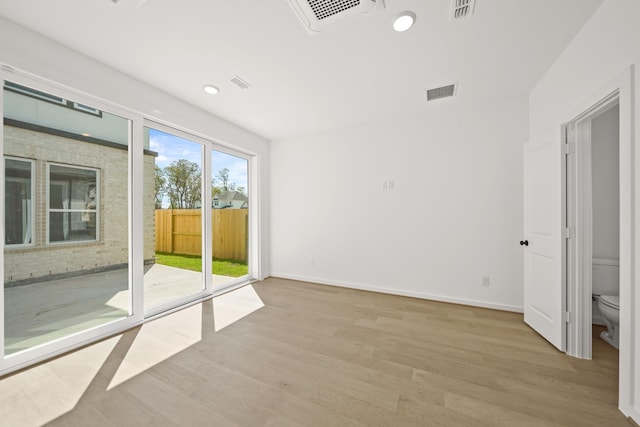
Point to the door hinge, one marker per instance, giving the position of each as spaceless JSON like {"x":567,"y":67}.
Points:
{"x":569,"y":232}
{"x":568,"y":148}
{"x":566,"y":317}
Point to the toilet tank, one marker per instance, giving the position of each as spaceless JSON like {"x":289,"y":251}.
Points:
{"x":606,"y":276}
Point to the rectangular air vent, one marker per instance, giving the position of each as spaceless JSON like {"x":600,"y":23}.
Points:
{"x":240,"y":83}
{"x":441,"y":92}
{"x":324,"y":9}
{"x":316,"y":15}
{"x":461,"y":9}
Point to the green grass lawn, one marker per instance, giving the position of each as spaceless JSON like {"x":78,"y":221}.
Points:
{"x":222,"y":267}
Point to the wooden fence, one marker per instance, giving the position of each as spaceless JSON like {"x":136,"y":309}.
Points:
{"x":180,"y":231}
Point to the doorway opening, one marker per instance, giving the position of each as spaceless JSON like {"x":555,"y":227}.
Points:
{"x":593,"y":228}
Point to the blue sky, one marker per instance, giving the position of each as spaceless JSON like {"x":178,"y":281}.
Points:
{"x":170,"y":148}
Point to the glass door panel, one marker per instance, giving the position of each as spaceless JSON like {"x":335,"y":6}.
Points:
{"x":173,"y":218}
{"x":66,"y":216}
{"x":230,"y":218}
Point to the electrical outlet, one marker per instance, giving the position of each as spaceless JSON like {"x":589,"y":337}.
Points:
{"x":486,"y":280}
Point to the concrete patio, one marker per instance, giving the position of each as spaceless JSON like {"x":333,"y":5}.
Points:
{"x":40,"y":312}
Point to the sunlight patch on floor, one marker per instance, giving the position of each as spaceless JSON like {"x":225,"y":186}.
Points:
{"x":167,"y":336}
{"x":47,"y":391}
{"x":158,"y":340}
{"x":41,"y":394}
{"x":233,"y":306}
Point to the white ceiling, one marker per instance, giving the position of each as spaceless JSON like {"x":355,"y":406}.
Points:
{"x":358,"y":71}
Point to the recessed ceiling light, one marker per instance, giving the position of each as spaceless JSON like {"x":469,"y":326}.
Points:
{"x":404,"y":21}
{"x":210,"y":89}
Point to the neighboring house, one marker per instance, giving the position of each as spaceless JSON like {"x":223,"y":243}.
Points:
{"x":230,"y":200}
{"x":66,"y":188}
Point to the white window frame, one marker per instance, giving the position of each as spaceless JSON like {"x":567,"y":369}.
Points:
{"x":208,"y":145}
{"x":70,"y":210}
{"x":32,"y":220}
{"x":207,"y":274}
{"x":252,"y":203}
{"x":27,"y":357}
{"x":137,"y":121}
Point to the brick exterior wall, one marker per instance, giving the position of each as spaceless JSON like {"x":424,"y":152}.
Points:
{"x":111,"y":249}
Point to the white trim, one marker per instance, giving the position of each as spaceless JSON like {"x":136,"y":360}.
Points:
{"x":34,"y":81}
{"x":176,"y":303}
{"x":580,"y":217}
{"x":412,"y":294}
{"x":630,"y":292}
{"x":254,"y":254}
{"x":186,"y":133}
{"x":64,"y":344}
{"x":136,"y":218}
{"x":207,"y":215}
{"x":629,"y":380}
{"x":189,"y":300}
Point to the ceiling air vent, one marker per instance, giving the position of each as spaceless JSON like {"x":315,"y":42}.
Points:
{"x":441,"y":92}
{"x":316,"y":15}
{"x":461,"y":9}
{"x":240,"y":83}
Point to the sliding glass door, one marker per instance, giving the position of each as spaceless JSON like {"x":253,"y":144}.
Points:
{"x":173,"y":218}
{"x":107,"y":221}
{"x":230,"y":218}
{"x":66,"y":214}
{"x":179,"y":219}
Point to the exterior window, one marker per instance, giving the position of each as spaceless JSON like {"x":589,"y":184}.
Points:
{"x":73,"y":203}
{"x":19,"y":204}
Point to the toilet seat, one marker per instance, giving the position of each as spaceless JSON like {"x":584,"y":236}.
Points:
{"x":612,"y":301}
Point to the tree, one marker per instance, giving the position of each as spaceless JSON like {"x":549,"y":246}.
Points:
{"x":222,"y":179}
{"x":214,"y":189}
{"x":183,"y":184}
{"x":220,"y":183}
{"x":160,"y":182}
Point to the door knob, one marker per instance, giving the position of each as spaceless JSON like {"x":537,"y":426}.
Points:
{"x":524,"y":243}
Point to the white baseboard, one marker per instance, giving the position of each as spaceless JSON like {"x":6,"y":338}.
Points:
{"x":634,"y":416}
{"x":421,"y":295}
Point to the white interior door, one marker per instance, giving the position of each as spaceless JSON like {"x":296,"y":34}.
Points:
{"x":543,"y":245}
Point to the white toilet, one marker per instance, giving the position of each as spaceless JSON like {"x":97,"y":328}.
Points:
{"x":609,"y":306}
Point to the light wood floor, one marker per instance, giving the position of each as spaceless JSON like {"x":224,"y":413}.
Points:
{"x":320,"y":356}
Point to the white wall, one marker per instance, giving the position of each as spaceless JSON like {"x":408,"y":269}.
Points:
{"x":599,"y":54}
{"x":607,"y":45}
{"x":454,"y":215}
{"x":28,"y":51}
{"x":605,"y":133}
